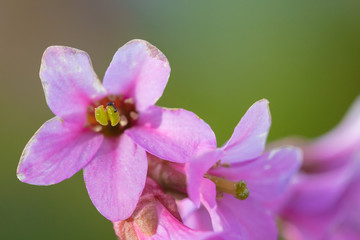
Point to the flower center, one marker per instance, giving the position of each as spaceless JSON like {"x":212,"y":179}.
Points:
{"x":112,"y":115}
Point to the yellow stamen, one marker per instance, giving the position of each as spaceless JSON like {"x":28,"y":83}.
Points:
{"x":113,"y":115}
{"x":101,"y":115}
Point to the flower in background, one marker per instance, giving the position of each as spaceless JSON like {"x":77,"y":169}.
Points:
{"x":107,"y":128}
{"x":324,"y":201}
{"x":156,"y":217}
{"x":237,"y":183}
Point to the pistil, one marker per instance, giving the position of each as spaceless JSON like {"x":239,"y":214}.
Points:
{"x":173,"y":181}
{"x":237,"y":189}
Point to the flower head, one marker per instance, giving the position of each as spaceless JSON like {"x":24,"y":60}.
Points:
{"x":106,"y":128}
{"x":239,"y":176}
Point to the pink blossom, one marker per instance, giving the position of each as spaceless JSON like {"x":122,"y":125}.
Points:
{"x":262,"y":177}
{"x":324,"y":201}
{"x":113,"y":157}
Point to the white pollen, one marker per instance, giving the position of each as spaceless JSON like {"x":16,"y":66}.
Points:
{"x":129,"y":101}
{"x":123,"y":121}
{"x":134,"y":115}
{"x":97,"y":128}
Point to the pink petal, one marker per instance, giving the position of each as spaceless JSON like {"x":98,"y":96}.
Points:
{"x":249,"y":137}
{"x":312,"y":227}
{"x":291,"y":231}
{"x":56,"y":152}
{"x":172,"y":134}
{"x":338,"y":221}
{"x":245,"y":219}
{"x":69,"y":81}
{"x":208,"y":199}
{"x":268,"y":176}
{"x":195,"y":170}
{"x":343,"y":139}
{"x":249,"y":219}
{"x":316,"y":192}
{"x":208,"y":192}
{"x":345,"y":222}
{"x":194,"y":217}
{"x":116,"y":177}
{"x":138,"y":70}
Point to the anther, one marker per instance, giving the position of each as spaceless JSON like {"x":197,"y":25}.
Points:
{"x":129,"y":101}
{"x":101,"y":115}
{"x":133,"y":115}
{"x":97,"y":128}
{"x":123,"y":121}
{"x":226,"y":165}
{"x":113,"y":105}
{"x":216,"y":165}
{"x":112,"y":114}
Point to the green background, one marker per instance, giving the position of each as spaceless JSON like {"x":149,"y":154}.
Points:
{"x":303,"y":56}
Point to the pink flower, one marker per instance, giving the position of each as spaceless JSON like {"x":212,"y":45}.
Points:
{"x":112,"y":155}
{"x":240,"y":170}
{"x":324,"y":201}
{"x":156,"y":217}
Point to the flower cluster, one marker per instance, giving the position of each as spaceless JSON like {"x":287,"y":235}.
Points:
{"x":157,"y":173}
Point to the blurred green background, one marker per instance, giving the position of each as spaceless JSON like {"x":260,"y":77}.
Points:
{"x":304,"y":56}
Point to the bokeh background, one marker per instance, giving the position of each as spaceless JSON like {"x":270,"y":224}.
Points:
{"x":304,"y":56}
